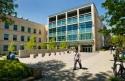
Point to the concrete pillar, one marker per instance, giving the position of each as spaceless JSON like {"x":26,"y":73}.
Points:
{"x":66,"y":25}
{"x":93,"y":28}
{"x":78,"y":23}
{"x":56,"y":26}
{"x":79,"y":47}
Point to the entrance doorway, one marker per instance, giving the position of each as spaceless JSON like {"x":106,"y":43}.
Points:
{"x":87,"y":48}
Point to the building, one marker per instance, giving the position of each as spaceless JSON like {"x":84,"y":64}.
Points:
{"x":19,"y":33}
{"x":78,"y":26}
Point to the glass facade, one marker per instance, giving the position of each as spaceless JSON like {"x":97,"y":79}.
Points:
{"x":52,"y":24}
{"x":61,"y":22}
{"x":85,"y":32}
{"x":85,"y":17}
{"x":69,"y":31}
{"x":72,"y":20}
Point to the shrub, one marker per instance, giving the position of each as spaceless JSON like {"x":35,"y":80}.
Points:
{"x":113,"y":78}
{"x":13,"y":70}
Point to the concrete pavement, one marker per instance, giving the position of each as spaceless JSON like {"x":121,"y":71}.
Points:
{"x":96,"y":67}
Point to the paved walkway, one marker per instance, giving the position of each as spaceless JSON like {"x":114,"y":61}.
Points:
{"x":96,"y":67}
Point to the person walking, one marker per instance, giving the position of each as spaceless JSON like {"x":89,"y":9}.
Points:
{"x":77,"y":59}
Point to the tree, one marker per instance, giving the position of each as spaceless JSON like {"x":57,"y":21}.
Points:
{"x":52,"y":44}
{"x":11,"y":47}
{"x":63,"y":45}
{"x":118,"y":40}
{"x":7,"y":8}
{"x":31,"y":44}
{"x":115,"y":16}
{"x":43,"y":45}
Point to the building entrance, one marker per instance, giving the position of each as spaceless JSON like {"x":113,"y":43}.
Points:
{"x":86,"y":48}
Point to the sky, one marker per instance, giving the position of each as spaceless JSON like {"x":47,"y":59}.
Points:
{"x":39,"y":10}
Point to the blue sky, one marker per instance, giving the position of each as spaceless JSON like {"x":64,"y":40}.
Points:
{"x":39,"y":10}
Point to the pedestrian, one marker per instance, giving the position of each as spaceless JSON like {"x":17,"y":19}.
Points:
{"x":77,"y":59}
{"x":113,"y":48}
{"x":12,"y":56}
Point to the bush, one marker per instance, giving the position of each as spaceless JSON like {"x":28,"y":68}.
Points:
{"x":13,"y":70}
{"x":113,"y":78}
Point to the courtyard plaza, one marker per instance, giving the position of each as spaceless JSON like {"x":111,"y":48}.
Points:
{"x":97,"y":66}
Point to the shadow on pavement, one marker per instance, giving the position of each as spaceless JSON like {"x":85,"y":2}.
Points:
{"x":52,"y":71}
{"x":97,"y":77}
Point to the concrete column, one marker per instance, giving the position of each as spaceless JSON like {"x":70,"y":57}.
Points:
{"x":78,"y":23}
{"x":66,"y":26}
{"x":93,"y":28}
{"x":79,"y":47}
{"x":56,"y":27}
{"x":48,"y":30}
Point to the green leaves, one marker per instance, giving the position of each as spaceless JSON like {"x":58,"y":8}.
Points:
{"x":52,"y":44}
{"x":11,"y":47}
{"x":114,"y":15}
{"x":118,"y":40}
{"x":63,"y":45}
{"x":31,"y":44}
{"x":13,"y":70}
{"x":7,"y":7}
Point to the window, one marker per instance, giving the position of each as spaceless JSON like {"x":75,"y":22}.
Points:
{"x":89,"y":26}
{"x":85,"y":27}
{"x":85,"y":36}
{"x":5,"y":47}
{"x":6,"y":26}
{"x":22,"y":38}
{"x":34,"y":31}
{"x":72,"y":20}
{"x":29,"y":30}
{"x":61,"y":38}
{"x":63,"y":28}
{"x":22,"y":29}
{"x":39,"y":31}
{"x":61,"y":22}
{"x":22,"y":47}
{"x":6,"y":36}
{"x":14,"y":37}
{"x":85,"y":17}
{"x":28,"y":38}
{"x":52,"y":24}
{"x":39,"y":39}
{"x":15,"y":27}
{"x":72,"y":37}
{"x":72,"y":27}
